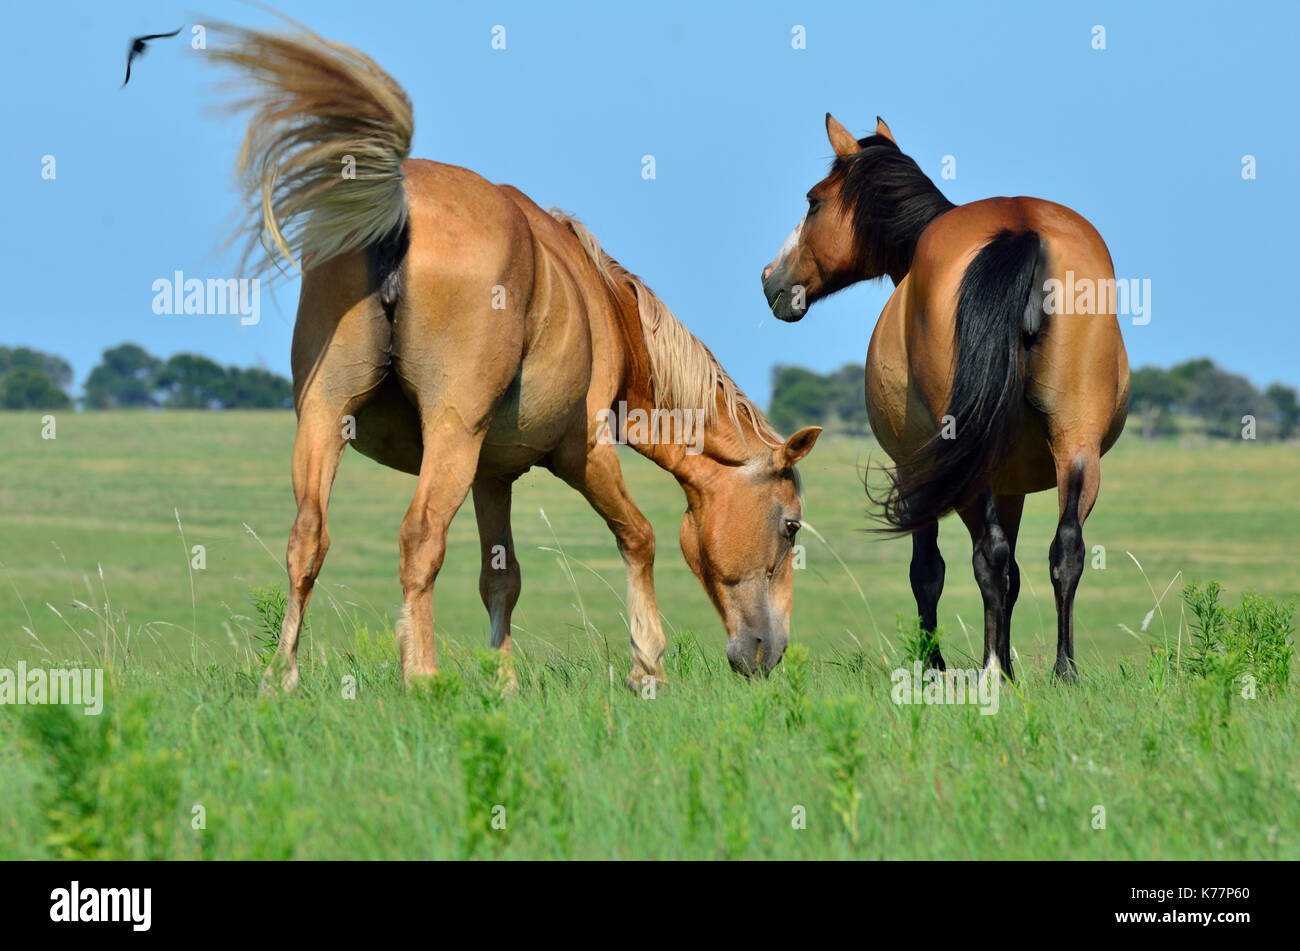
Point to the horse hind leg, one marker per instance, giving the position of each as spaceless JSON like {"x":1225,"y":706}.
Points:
{"x":991,"y":560}
{"x":339,"y":358}
{"x":317,"y":449}
{"x":457,"y":388}
{"x":1078,"y":478}
{"x":446,"y":474}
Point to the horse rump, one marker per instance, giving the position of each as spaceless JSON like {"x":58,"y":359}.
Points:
{"x":999,"y":310}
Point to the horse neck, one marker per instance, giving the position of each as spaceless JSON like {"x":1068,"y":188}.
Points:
{"x":895,"y":251}
{"x":720,"y":451}
{"x":723,"y":449}
{"x":899,"y":216}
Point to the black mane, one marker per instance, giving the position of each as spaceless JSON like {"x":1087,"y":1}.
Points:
{"x":890,"y":200}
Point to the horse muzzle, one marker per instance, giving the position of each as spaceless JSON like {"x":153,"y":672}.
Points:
{"x":751,"y":652}
{"x":780,"y":296}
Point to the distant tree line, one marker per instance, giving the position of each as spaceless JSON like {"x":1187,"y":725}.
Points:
{"x":128,"y":376}
{"x":1197,"y":395}
{"x":30,"y":379}
{"x":832,"y":400}
{"x":1193,"y":397}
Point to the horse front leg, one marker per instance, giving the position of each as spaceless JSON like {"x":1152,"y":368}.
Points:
{"x":926,"y":574}
{"x":595,"y":472}
{"x":499,"y":581}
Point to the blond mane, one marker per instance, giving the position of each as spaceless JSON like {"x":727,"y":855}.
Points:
{"x":684,"y":373}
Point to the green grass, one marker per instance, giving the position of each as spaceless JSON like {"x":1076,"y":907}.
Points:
{"x":713,"y":767}
{"x":1158,"y":733}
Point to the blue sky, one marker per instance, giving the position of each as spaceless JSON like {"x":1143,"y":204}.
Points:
{"x":1145,"y":138}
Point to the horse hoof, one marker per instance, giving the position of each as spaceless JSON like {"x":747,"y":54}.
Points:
{"x":646,"y":686}
{"x":423,"y":680}
{"x":287,"y":677}
{"x":1066,"y":675}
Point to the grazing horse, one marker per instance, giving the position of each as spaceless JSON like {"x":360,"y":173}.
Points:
{"x":449,"y":328}
{"x":980,"y":384}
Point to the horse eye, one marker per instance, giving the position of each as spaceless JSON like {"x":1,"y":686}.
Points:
{"x":814,"y":204}
{"x":792,"y":528}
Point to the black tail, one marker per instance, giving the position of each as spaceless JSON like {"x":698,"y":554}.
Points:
{"x":999,"y":305}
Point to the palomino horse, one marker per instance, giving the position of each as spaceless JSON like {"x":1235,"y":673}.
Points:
{"x":450,"y":328}
{"x":980,"y":385}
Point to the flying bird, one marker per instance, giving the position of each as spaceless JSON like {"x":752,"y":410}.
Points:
{"x":137,"y":48}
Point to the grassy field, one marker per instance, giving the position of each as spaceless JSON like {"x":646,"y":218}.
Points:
{"x":104,"y":494}
{"x":96,"y":567}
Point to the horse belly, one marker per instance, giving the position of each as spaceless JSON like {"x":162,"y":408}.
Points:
{"x":525,"y":427}
{"x":545,"y":401}
{"x":899,"y":417}
{"x":533,"y":417}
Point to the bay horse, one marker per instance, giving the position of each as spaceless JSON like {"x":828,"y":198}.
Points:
{"x":449,"y":328}
{"x":980,"y":385}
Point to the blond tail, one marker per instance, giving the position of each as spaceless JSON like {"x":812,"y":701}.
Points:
{"x":321,"y":163}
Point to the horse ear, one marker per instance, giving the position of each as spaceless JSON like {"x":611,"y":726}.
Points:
{"x":842,"y":140}
{"x":882,"y":129}
{"x":798,"y":446}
